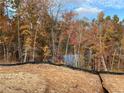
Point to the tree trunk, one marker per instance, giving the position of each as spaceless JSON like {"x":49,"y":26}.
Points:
{"x":79,"y":46}
{"x":103,"y":63}
{"x":75,"y":57}
{"x":53,"y":45}
{"x":25,"y":55}
{"x":113,"y":59}
{"x":119,"y":59}
{"x":90,"y":56}
{"x":67,"y":44}
{"x":19,"y":42}
{"x":4,"y":49}
{"x":34,"y":46}
{"x":7,"y":54}
{"x":101,"y":48}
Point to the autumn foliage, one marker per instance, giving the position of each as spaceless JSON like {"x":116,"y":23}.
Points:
{"x":36,"y":34}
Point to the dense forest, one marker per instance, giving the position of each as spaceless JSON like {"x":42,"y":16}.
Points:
{"x":40,"y":30}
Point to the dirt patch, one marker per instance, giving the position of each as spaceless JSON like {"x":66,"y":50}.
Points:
{"x":50,"y":79}
{"x":113,"y":83}
{"x":21,"y":83}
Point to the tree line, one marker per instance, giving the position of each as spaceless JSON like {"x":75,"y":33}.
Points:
{"x":40,"y":31}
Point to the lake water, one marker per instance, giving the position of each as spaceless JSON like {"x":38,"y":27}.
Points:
{"x":71,"y":59}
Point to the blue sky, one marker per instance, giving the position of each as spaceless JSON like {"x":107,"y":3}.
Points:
{"x":90,"y":8}
{"x":9,"y":10}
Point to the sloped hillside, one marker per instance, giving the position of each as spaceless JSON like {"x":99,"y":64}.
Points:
{"x":47,"y":79}
{"x":44,"y":78}
{"x":113,"y":83}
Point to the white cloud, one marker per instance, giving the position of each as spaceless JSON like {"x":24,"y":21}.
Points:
{"x":105,"y":3}
{"x":78,"y":2}
{"x":88,"y":10}
{"x":113,"y":3}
